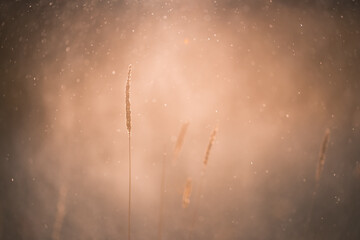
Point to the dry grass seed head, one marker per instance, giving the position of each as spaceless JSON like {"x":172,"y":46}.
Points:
{"x":321,"y":162}
{"x":127,"y":100}
{"x":180,"y":140}
{"x":187,"y":193}
{"x":211,"y":142}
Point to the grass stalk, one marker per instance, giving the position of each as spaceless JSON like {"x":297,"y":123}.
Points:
{"x":60,"y":213}
{"x":128,"y":127}
{"x":162,"y":197}
{"x":318,"y":173}
{"x":180,"y":140}
{"x":202,"y":177}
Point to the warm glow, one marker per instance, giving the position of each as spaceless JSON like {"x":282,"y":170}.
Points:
{"x":270,"y":76}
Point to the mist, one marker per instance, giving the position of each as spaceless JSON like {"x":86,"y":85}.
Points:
{"x":272,"y":76}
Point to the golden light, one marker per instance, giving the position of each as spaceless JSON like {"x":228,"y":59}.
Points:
{"x":272,"y":76}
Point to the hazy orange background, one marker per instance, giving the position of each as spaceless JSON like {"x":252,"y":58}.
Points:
{"x":271,"y":75}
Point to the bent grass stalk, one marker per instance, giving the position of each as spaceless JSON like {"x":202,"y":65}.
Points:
{"x":202,"y":176}
{"x":128,"y":127}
